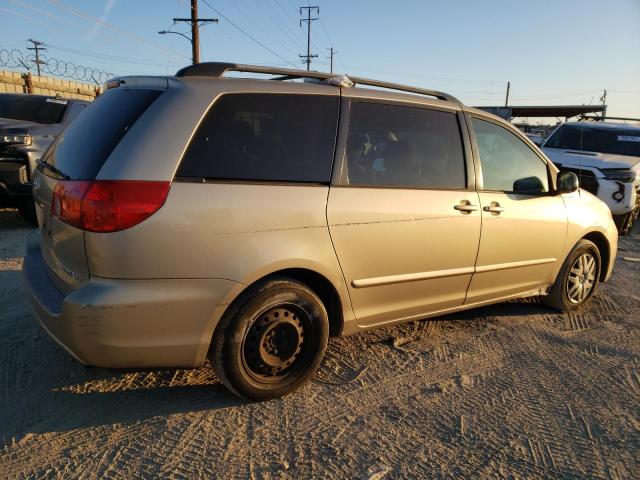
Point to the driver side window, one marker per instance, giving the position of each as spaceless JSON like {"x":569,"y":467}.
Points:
{"x":508,"y":164}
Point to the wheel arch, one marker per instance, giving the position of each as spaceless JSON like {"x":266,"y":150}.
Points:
{"x":604,"y":248}
{"x":319,"y":283}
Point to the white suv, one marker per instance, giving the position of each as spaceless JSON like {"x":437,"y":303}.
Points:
{"x":606,"y":158}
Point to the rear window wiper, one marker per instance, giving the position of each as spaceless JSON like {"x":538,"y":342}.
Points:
{"x":44,"y":165}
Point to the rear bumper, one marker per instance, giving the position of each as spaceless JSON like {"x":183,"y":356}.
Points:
{"x":128,"y":323}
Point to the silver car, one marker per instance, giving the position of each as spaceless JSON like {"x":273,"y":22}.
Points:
{"x":248,"y":220}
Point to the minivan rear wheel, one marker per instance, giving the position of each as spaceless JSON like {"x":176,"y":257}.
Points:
{"x":577,"y":280}
{"x":271,"y":340}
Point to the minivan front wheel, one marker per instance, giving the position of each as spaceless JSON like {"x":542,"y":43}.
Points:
{"x":577,"y":280}
{"x":271,"y":340}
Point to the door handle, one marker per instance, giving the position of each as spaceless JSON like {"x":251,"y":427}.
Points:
{"x":494,"y":208}
{"x":466,"y":207}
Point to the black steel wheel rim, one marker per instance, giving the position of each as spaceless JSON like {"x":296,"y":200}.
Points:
{"x":277,"y":344}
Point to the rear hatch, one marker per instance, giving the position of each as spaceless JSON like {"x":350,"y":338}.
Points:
{"x":72,"y":162}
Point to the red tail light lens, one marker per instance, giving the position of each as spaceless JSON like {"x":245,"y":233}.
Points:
{"x":66,"y":203}
{"x":107,"y":205}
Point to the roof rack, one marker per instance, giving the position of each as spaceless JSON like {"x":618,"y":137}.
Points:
{"x":218,"y":69}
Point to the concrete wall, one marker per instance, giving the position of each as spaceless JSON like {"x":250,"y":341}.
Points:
{"x":15,"y":82}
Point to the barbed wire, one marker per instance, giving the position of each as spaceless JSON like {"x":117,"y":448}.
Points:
{"x":16,"y":59}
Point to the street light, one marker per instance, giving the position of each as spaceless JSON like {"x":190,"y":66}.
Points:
{"x":163,"y":32}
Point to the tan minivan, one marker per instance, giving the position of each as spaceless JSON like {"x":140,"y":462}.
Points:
{"x":247,"y":220}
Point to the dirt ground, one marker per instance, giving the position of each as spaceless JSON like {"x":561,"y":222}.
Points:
{"x":510,"y":391}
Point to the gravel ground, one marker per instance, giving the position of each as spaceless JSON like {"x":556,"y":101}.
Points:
{"x":511,"y":391}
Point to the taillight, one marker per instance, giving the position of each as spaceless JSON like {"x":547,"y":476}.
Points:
{"x":66,"y":203}
{"x":107,"y":205}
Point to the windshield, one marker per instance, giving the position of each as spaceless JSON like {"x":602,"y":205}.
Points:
{"x":618,"y":141}
{"x":32,"y":109}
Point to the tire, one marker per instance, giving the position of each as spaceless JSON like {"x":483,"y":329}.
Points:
{"x":577,"y":281}
{"x":27,"y":211}
{"x":624,"y":222}
{"x":271,"y":340}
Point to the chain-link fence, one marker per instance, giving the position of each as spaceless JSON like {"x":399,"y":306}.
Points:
{"x":48,"y":65}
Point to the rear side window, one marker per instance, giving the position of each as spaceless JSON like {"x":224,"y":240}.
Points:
{"x":84,"y":146}
{"x":265,"y":137}
{"x":398,"y":146}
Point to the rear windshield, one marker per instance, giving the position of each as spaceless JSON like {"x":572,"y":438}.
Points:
{"x":618,"y":141}
{"x":32,"y":109}
{"x":265,"y":137}
{"x":81,"y":150}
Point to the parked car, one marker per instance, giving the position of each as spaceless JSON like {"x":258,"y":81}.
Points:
{"x":28,"y":125}
{"x":535,"y":138}
{"x":606,"y":158}
{"x":247,"y":220}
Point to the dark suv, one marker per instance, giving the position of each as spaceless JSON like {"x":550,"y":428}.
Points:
{"x":28,"y":125}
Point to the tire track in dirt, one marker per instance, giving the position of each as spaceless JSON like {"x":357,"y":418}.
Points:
{"x":508,"y":391}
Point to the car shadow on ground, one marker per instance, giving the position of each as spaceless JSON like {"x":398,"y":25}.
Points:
{"x":72,"y":396}
{"x":512,"y":308}
{"x":10,"y":218}
{"x":106,"y":397}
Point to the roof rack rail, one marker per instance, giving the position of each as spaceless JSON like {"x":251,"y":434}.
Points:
{"x":218,"y":69}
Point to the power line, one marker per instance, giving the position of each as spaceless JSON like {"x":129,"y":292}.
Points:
{"x":44,"y":12}
{"x":325,"y":31}
{"x":275,"y":18}
{"x":246,"y":33}
{"x":626,"y":92}
{"x":308,"y":21}
{"x":53,"y":66}
{"x":293,"y":5}
{"x":581,"y":94}
{"x":490,"y":83}
{"x":104,"y":56}
{"x":267,"y":34}
{"x":22,"y":15}
{"x":97,"y":21}
{"x":286,"y":12}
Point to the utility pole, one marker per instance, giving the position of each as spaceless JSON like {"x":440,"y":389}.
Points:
{"x":37,"y":47}
{"x":332,"y":52}
{"x":308,"y":56}
{"x":604,"y":104}
{"x":195,"y":26}
{"x":506,"y":100}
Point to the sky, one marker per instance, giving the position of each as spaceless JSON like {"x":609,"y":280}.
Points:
{"x":552,"y":52}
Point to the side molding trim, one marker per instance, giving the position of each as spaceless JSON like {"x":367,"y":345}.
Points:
{"x":414,"y":277}
{"x":410,"y":277}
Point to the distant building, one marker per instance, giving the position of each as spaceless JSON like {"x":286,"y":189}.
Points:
{"x":545,"y":111}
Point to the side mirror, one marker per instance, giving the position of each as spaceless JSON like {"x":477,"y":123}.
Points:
{"x":568,"y":182}
{"x":531,"y":185}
